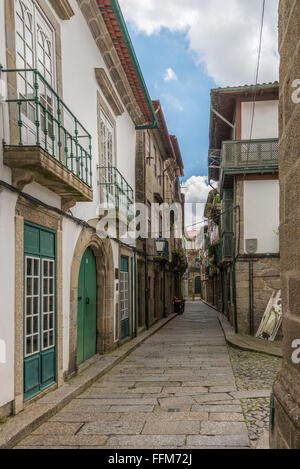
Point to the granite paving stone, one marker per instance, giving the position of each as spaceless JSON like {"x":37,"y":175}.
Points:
{"x":176,"y":390}
{"x":223,"y":428}
{"x":220,"y":441}
{"x":164,"y":426}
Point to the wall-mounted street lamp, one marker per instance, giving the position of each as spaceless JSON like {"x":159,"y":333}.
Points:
{"x":160,"y":244}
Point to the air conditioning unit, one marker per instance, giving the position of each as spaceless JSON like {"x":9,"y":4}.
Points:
{"x":251,"y":246}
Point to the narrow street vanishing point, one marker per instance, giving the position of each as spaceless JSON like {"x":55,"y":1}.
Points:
{"x":177,"y":390}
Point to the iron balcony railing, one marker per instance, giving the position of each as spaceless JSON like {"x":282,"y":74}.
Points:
{"x":115,"y":192}
{"x":250,"y":154}
{"x":214,"y":164}
{"x":43,"y":119}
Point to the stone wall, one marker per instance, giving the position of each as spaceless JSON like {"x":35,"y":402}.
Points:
{"x":266,"y":278}
{"x":286,"y":430}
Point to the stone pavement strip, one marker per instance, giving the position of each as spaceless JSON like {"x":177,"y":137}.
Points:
{"x":176,"y":390}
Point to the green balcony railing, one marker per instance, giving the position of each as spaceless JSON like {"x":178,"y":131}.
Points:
{"x":115,"y":192}
{"x":250,"y":154}
{"x":44,"y":120}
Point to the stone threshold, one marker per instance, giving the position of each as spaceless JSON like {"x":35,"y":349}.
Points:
{"x":19,"y":426}
{"x":247,"y":342}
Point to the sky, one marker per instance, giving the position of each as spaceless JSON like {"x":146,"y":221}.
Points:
{"x":187,"y":47}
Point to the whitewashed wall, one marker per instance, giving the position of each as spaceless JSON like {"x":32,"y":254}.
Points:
{"x":71,"y":234}
{"x":80,"y":56}
{"x":7,"y":282}
{"x":261,"y":214}
{"x":80,"y":94}
{"x":265,"y":124}
{"x":7,"y":253}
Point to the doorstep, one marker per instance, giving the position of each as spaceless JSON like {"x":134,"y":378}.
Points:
{"x":19,"y":426}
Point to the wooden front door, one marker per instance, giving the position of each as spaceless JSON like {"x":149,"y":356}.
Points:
{"x":39,"y":309}
{"x":87,"y":308}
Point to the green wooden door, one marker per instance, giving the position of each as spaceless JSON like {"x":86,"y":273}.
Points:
{"x":124,"y":297}
{"x":87,"y":308}
{"x":39,"y":309}
{"x":197,"y":286}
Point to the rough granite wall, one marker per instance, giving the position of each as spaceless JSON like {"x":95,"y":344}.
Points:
{"x":286,"y":431}
{"x":266,"y":278}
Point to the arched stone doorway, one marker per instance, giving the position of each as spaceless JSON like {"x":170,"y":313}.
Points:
{"x":102,"y":251}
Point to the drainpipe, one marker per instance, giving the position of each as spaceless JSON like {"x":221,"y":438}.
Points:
{"x":146,"y":241}
{"x":234,"y":288}
{"x":164,"y":292}
{"x":146,"y":289}
{"x":125,"y":35}
{"x":132,"y":290}
{"x":234,"y":262}
{"x":251,"y":312}
{"x":135,"y":296}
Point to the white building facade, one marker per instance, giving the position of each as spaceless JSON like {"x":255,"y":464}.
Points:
{"x":69,"y":114}
{"x":245,"y":262}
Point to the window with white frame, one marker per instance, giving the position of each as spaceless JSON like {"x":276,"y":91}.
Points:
{"x":107,"y":153}
{"x":48,"y":299}
{"x":35,"y":49}
{"x":124,"y":295}
{"x":32,"y":305}
{"x":39,"y":295}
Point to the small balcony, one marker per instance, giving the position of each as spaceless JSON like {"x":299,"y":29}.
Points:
{"x":250,"y":155}
{"x":115,"y":192}
{"x":48,"y":144}
{"x":246,"y":157}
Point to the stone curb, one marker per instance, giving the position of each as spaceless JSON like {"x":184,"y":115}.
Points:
{"x":239,"y":340}
{"x":19,"y":426}
{"x":248,"y":343}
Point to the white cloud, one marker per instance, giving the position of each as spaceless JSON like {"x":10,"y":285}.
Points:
{"x":172,"y":102}
{"x":223,"y":35}
{"x":196,"y":192}
{"x":170,"y":75}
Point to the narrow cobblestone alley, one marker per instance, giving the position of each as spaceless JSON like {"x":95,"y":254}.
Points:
{"x":177,"y":390}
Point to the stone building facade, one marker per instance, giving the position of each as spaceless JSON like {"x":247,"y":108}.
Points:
{"x":242,"y":241}
{"x":285,"y":406}
{"x":193,"y":287}
{"x":158,"y":166}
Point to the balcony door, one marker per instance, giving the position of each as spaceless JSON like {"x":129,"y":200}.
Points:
{"x":35,"y":49}
{"x":107,"y":163}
